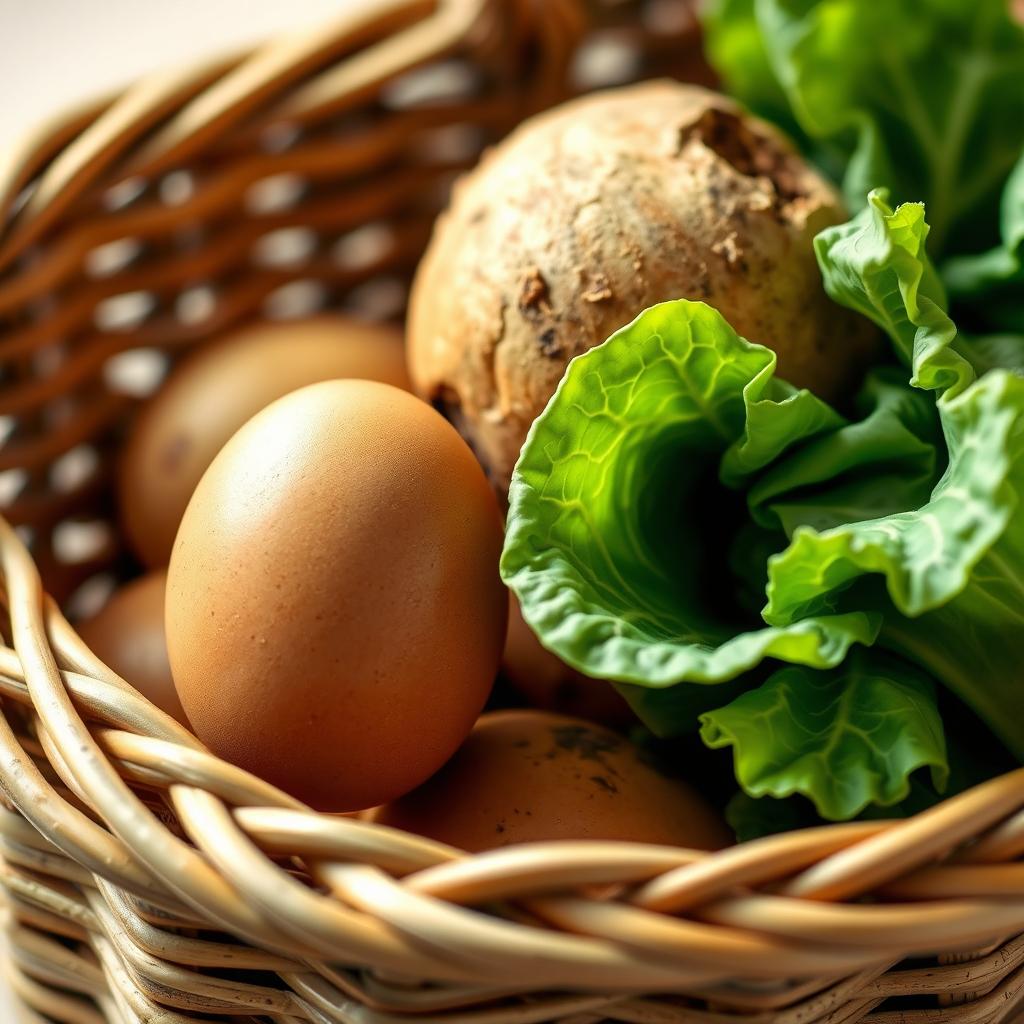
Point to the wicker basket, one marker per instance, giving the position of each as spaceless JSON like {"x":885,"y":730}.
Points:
{"x":147,"y":881}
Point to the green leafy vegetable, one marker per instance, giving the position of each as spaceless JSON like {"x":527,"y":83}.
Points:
{"x":924,"y":98}
{"x":884,"y":462}
{"x":953,"y":568}
{"x":634,"y":563}
{"x":680,"y":517}
{"x":928,"y":555}
{"x":615,"y":504}
{"x":970,"y":753}
{"x":877,"y":265}
{"x":845,"y":739}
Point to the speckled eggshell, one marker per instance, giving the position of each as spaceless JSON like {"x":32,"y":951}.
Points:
{"x":335,"y":616}
{"x":212,"y":393}
{"x":127,"y":635}
{"x":531,"y":775}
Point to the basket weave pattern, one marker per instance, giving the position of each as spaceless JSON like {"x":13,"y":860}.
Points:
{"x":147,"y":881}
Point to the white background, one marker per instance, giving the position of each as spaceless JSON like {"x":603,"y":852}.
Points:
{"x":58,"y":53}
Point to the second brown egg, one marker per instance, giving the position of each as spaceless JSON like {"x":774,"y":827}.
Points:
{"x":127,"y":635}
{"x":212,"y":393}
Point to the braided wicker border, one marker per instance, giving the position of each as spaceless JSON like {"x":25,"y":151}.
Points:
{"x":147,"y":881}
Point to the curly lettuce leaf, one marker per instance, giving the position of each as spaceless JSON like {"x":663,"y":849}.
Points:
{"x":924,"y":98}
{"x":927,"y":555}
{"x":845,"y":739}
{"x":876,"y":264}
{"x":884,"y":462}
{"x":617,"y":535}
{"x":948,"y":574}
{"x":971,"y":644}
{"x":777,"y":417}
{"x":972,"y":757}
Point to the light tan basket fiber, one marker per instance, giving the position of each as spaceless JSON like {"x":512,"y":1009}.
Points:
{"x":146,"y":881}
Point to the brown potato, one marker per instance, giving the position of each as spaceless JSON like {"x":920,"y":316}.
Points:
{"x":593,"y":211}
{"x":530,"y":775}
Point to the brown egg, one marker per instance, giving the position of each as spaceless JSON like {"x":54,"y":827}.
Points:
{"x":530,"y":775}
{"x":214,"y":392}
{"x":544,"y":681}
{"x":127,"y":634}
{"x":335,"y":617}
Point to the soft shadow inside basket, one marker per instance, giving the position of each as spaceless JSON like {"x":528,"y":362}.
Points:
{"x":313,"y":196}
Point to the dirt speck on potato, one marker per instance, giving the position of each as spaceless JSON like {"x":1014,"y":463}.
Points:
{"x":533,"y":296}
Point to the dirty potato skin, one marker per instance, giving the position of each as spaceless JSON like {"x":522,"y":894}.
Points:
{"x":593,"y":211}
